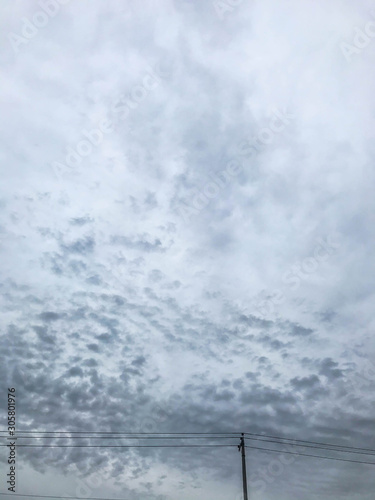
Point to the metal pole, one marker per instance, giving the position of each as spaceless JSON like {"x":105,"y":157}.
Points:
{"x":241,"y":447}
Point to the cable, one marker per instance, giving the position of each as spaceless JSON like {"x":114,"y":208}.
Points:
{"x":315,"y":456}
{"x":53,"y":496}
{"x":129,"y":433}
{"x":310,"y":442}
{"x":186,"y":446}
{"x":121,"y":446}
{"x":192,"y":435}
{"x":372,"y":453}
{"x":326,"y":447}
{"x":121,"y":437}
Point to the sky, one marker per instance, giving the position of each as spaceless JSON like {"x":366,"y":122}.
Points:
{"x":186,"y":223}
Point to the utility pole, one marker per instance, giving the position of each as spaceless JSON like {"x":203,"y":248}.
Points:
{"x":241,"y":448}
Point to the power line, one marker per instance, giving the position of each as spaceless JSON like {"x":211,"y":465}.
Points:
{"x":325,"y":447}
{"x":231,"y":433}
{"x":53,"y":496}
{"x":371,"y":453}
{"x":171,"y":446}
{"x":308,"y":455}
{"x":190,"y":446}
{"x":121,"y":446}
{"x":130,"y":433}
{"x":190,"y":435}
{"x":120,"y":437}
{"x":310,"y":442}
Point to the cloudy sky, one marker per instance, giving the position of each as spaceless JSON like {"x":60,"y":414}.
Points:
{"x":187,"y":214}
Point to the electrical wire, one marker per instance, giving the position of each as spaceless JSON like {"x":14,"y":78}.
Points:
{"x":128,"y":433}
{"x":192,"y":434}
{"x":370,"y":453}
{"x":182,"y":446}
{"x":309,"y":442}
{"x":121,"y":446}
{"x":325,"y":447}
{"x":308,"y":455}
{"x":53,"y":496}
{"x":120,"y":437}
{"x":189,"y":435}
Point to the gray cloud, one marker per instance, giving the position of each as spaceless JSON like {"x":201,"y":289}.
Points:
{"x":253,"y":310}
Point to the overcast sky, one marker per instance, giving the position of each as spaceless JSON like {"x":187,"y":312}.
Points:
{"x":187,"y":219}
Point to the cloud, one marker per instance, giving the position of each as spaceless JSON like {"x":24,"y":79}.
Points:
{"x":330,"y":369}
{"x":49,"y":316}
{"x":138,"y":244}
{"x":250,"y":309}
{"x":82,"y":246}
{"x":81,"y":221}
{"x":305,"y":382}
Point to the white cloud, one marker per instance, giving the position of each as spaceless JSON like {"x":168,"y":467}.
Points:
{"x":108,"y":289}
